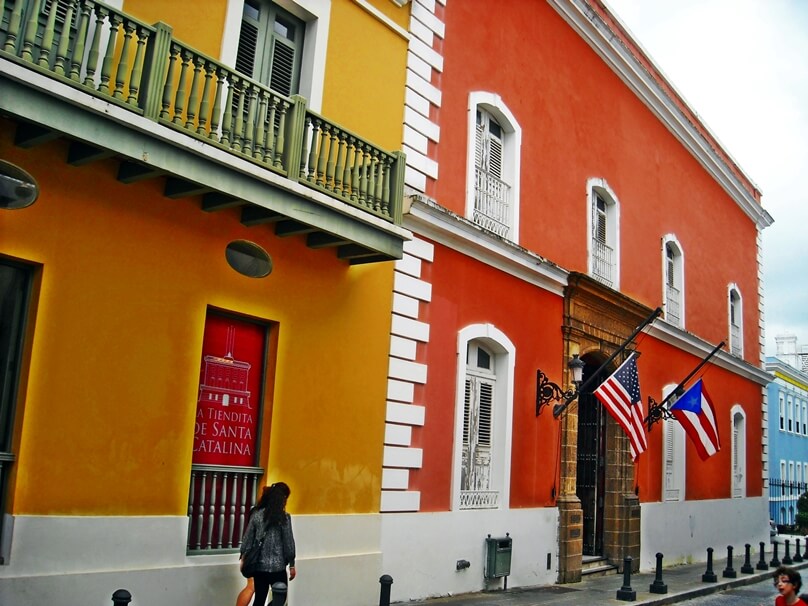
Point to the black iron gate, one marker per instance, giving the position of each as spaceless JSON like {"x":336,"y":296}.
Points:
{"x":591,"y":476}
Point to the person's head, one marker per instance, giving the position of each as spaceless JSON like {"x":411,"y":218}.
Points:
{"x":273,"y":501}
{"x":787,"y":580}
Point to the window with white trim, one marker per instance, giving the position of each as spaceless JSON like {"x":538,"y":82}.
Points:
{"x":484,"y":419}
{"x":782,"y":412}
{"x":493,"y":166}
{"x":804,"y":419}
{"x":673,"y":460}
{"x":738,"y":452}
{"x":790,"y":409}
{"x":735,"y":321}
{"x":604,"y":252}
{"x":673,"y":281}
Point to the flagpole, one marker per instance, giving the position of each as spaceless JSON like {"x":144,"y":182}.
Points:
{"x":656,"y":411}
{"x":560,"y":408}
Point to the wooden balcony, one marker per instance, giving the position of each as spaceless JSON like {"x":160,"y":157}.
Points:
{"x":116,"y":87}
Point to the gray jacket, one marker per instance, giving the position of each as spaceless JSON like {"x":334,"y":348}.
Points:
{"x":279,"y":545}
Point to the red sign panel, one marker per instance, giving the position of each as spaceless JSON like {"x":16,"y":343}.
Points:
{"x":230,"y":379}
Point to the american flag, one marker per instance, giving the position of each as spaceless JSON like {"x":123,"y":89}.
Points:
{"x":620,"y":395}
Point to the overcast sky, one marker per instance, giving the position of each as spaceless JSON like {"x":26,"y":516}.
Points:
{"x":742,"y":65}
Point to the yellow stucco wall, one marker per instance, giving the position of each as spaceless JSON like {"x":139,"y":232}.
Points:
{"x":105,"y":422}
{"x":366,"y":71}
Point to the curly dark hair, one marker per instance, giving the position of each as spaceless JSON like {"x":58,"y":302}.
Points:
{"x":793,"y":576}
{"x":273,"y":502}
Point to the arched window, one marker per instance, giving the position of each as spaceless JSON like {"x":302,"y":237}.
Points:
{"x":735,"y":321}
{"x":604,"y":229}
{"x":673,"y":460}
{"x":738,"y":452}
{"x":484,"y":418}
{"x":673,"y":302}
{"x":493,"y":166}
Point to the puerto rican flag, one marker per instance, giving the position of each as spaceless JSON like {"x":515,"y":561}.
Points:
{"x":696,"y":413}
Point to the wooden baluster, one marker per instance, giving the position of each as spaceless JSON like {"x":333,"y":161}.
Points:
{"x":358,"y":158}
{"x":232,"y":525}
{"x":200,"y":518}
{"x":92,"y":59}
{"x":242,"y":509}
{"x":193,"y":98}
{"x":179,"y":97}
{"x":191,"y":493}
{"x":174,"y":55}
{"x":123,"y":61}
{"x":272,"y":113}
{"x":238,"y":135}
{"x":204,"y":106}
{"x":47,"y":36}
{"x":211,"y":511}
{"x":380,"y":160}
{"x":31,"y":27}
{"x":315,"y":137}
{"x":64,"y":40}
{"x":322,"y":152}
{"x":261,"y":126}
{"x":371,"y":191}
{"x":222,"y":505}
{"x":304,"y":152}
{"x":350,"y":158}
{"x":227,"y":124}
{"x":106,"y":66}
{"x":249,"y":126}
{"x":341,"y":153}
{"x":363,"y":176}
{"x":217,"y":104}
{"x":14,"y":26}
{"x":333,"y":145}
{"x":137,"y":68}
{"x":280,"y":140}
{"x":386,"y":186}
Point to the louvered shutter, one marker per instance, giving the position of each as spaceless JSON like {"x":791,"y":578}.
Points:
{"x":670,"y":266}
{"x":486,"y":398}
{"x":671,"y":489}
{"x":479,"y":142}
{"x":247,"y":47}
{"x":282,"y":71}
{"x":466,"y":412}
{"x":599,"y":222}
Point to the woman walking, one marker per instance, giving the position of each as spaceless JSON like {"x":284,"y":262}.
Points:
{"x":269,"y":523}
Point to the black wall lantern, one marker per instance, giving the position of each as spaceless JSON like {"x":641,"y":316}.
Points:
{"x":547,"y":391}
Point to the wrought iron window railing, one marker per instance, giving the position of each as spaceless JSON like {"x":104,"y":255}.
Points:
{"x":783,"y":497}
{"x":602,"y":262}
{"x":109,"y":54}
{"x":479,"y":499}
{"x":492,"y":207}
{"x":219,"y":503}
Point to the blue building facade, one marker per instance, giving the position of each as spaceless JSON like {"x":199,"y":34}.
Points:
{"x":788,"y":429}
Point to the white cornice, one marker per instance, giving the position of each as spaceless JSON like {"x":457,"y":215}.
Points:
{"x":427,"y":218}
{"x":608,"y":46}
{"x":787,"y":372}
{"x":695,"y":346}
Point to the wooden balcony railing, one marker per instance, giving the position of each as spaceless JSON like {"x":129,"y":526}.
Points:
{"x":105,"y":52}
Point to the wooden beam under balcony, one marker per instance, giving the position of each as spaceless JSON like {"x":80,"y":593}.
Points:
{"x":181,"y":188}
{"x":322,"y":239}
{"x":30,"y":135}
{"x":216,"y":200}
{"x":81,"y":153}
{"x":292,"y":228}
{"x":132,"y":172}
{"x":257,"y":215}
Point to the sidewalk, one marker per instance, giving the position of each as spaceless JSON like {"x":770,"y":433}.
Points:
{"x":683,"y":583}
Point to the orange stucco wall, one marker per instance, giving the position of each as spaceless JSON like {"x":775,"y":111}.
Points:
{"x":461,"y":296}
{"x":580,"y":121}
{"x":708,"y":479}
{"x":105,"y":418}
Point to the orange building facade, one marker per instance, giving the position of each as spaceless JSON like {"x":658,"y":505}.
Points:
{"x":561,"y":191}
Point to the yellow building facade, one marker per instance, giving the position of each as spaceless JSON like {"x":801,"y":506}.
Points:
{"x":155,"y":207}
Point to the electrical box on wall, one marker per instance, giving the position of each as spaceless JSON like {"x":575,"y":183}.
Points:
{"x":498,"y":556}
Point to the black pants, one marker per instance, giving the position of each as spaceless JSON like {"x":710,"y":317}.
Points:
{"x":263,"y":581}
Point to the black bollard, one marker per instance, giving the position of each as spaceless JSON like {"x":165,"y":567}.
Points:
{"x":709,"y":576}
{"x":797,"y":555}
{"x":775,"y":561}
{"x":787,"y":558}
{"x":121,"y":597}
{"x":805,"y":555}
{"x":279,"y":591}
{"x":626,"y":593}
{"x":762,"y":565}
{"x":658,"y":586}
{"x":747,"y":567}
{"x":384,"y":595}
{"x":729,"y":571}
